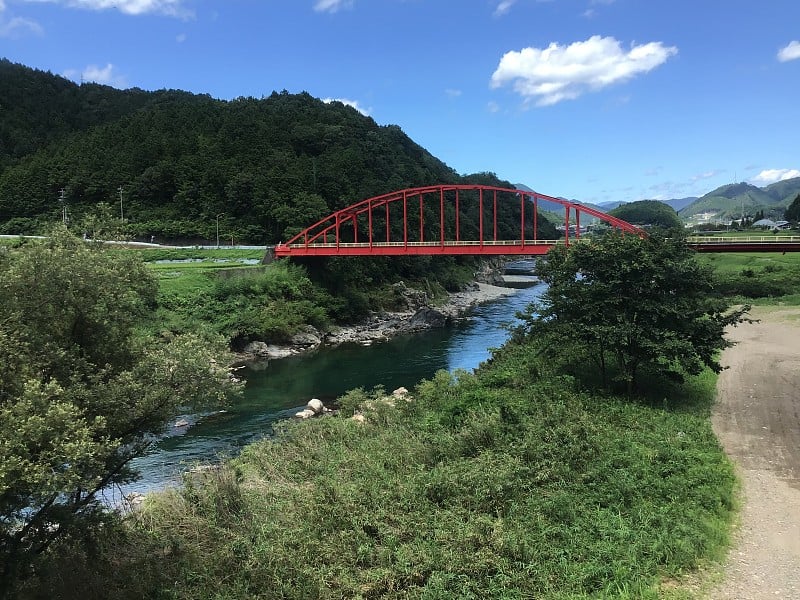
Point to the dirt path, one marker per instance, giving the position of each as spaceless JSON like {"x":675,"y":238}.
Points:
{"x":757,"y":419}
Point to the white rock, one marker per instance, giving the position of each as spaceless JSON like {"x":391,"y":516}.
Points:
{"x":359,"y":418}
{"x":400,"y":392}
{"x":181,"y":423}
{"x":316,"y":405}
{"x":306,"y":413}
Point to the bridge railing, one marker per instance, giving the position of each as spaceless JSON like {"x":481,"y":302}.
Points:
{"x":732,"y":239}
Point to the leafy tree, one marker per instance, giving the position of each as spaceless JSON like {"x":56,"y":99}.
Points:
{"x":793,"y":211}
{"x":81,"y":394}
{"x":627,"y":304}
{"x":649,"y":212}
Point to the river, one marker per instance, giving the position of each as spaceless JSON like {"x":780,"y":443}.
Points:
{"x":283,"y":386}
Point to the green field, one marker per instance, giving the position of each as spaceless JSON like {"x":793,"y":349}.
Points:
{"x":757,"y":277}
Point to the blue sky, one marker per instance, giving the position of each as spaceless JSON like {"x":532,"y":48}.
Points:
{"x":594,"y":100}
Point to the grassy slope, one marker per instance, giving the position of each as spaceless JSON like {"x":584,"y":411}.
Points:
{"x":499,"y":485}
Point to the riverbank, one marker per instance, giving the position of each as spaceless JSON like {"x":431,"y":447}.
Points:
{"x":420,"y":314}
{"x":489,"y":485}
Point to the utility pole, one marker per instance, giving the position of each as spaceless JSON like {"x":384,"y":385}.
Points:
{"x":218,"y":216}
{"x":121,"y":214}
{"x":62,"y":197}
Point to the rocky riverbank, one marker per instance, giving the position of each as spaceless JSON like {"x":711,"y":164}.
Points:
{"x":418,"y":314}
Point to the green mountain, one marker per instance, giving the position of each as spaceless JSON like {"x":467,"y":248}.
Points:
{"x":648,"y":213}
{"x":264,"y":167}
{"x":732,"y":200}
{"x":784,"y":191}
{"x":37,"y":108}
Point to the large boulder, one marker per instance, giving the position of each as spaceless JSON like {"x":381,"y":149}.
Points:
{"x":316,"y":405}
{"x":426,"y":318}
{"x":307,"y":339}
{"x":259,"y":349}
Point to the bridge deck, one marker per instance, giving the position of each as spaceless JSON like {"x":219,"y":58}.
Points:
{"x":492,"y":247}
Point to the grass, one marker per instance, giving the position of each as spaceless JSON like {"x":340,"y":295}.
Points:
{"x":496,"y":485}
{"x":757,"y":277}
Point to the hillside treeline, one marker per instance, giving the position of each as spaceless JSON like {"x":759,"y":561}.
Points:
{"x":266,"y":166}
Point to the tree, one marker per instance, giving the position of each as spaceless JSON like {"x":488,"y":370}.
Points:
{"x":649,"y":212}
{"x":626,"y":304}
{"x":793,"y":211}
{"x":82,"y":392}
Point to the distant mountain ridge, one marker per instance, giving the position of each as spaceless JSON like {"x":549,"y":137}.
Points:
{"x":725,"y":202}
{"x":733,"y":200}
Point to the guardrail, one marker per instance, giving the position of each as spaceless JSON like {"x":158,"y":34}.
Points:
{"x":732,"y":239}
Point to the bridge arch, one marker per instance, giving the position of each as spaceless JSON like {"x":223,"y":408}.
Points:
{"x":366,"y":228}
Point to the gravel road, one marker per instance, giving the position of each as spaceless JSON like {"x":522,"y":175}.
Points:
{"x":757,"y":419}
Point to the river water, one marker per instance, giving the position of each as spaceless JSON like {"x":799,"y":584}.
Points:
{"x":284,"y":386}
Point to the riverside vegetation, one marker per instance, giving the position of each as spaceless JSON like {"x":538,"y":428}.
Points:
{"x":528,"y":478}
{"x":516,"y":481}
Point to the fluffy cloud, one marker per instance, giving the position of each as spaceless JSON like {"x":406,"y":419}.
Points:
{"x":790,"y":52}
{"x":773,"y":175}
{"x":550,"y":75}
{"x":351,"y":103}
{"x":103,"y":75}
{"x":332,"y":6}
{"x":129,"y":7}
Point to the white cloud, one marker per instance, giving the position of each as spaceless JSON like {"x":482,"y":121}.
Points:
{"x":18,"y":26}
{"x":706,"y":175}
{"x":493,"y":107}
{"x":180,"y":38}
{"x":773,"y":175}
{"x":129,"y":7}
{"x":790,"y":52}
{"x":332,"y":6}
{"x":558,"y":73}
{"x":103,"y":75}
{"x":453,"y":93}
{"x":351,"y":103}
{"x":503,"y":7}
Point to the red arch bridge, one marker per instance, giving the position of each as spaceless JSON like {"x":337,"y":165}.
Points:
{"x":443,"y":220}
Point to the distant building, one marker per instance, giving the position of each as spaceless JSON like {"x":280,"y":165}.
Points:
{"x":766,"y":224}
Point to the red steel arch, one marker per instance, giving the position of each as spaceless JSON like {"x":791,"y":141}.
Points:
{"x":338,"y":233}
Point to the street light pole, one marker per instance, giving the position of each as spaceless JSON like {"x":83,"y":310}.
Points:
{"x":218,"y":216}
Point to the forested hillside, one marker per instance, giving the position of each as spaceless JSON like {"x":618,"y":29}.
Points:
{"x":730,"y":201}
{"x":266,"y":166}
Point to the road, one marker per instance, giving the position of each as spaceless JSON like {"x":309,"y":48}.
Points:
{"x":757,"y":419}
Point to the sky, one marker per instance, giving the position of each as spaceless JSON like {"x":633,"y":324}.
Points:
{"x":592,"y":100}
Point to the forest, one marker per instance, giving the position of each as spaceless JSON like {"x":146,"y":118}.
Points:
{"x":171,"y":162}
